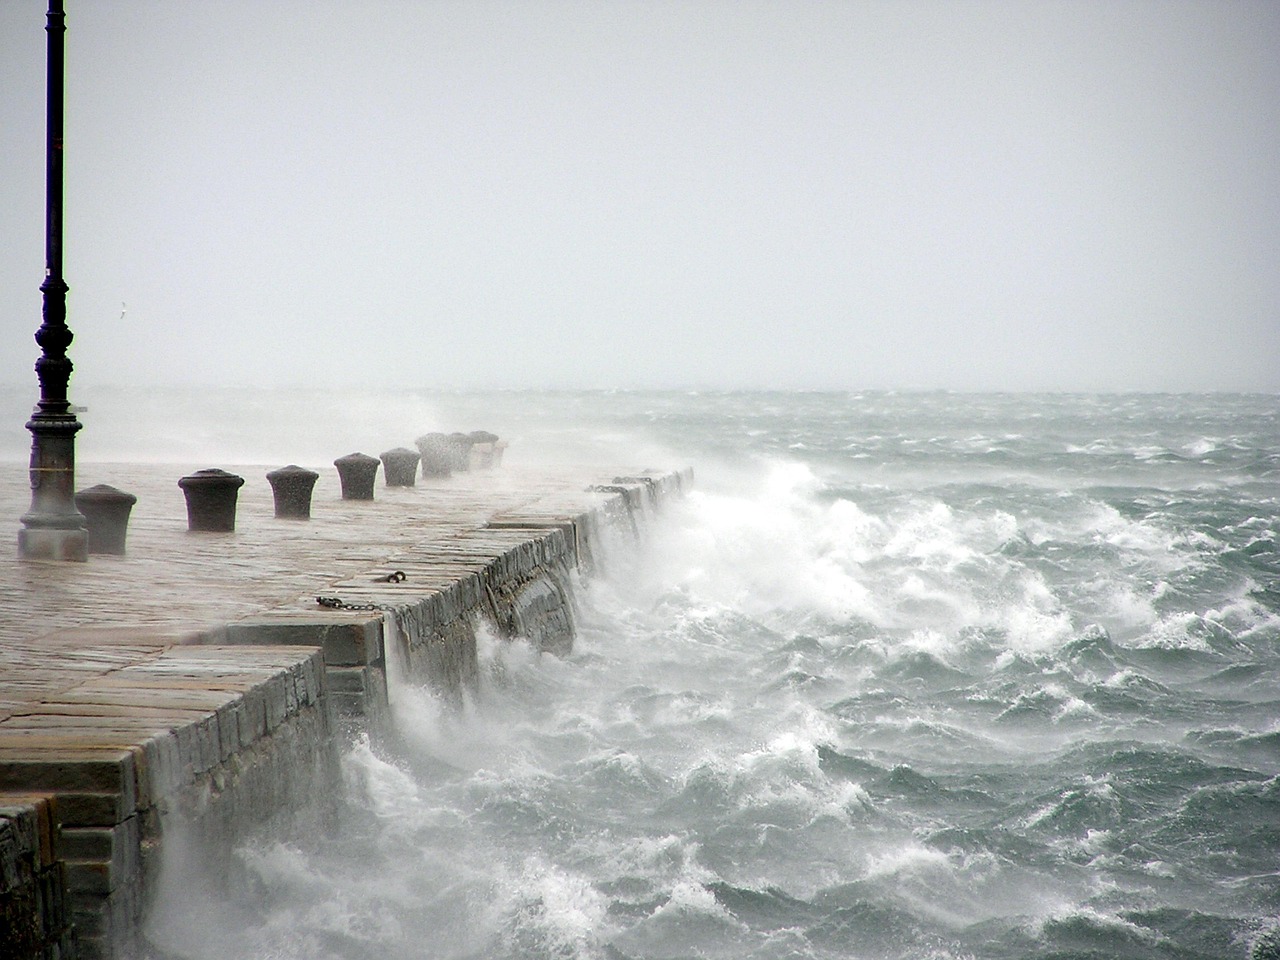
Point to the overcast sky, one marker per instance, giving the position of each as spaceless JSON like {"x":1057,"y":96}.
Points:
{"x":968,"y":195}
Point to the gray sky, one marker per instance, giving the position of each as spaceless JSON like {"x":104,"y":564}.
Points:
{"x":970,"y":195}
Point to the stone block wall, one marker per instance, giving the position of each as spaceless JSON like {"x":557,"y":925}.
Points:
{"x":236,"y":733}
{"x":227,"y":745}
{"x":33,"y":911}
{"x":515,"y":574}
{"x":352,"y":648}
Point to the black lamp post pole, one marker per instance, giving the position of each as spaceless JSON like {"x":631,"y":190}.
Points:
{"x":53,"y":529}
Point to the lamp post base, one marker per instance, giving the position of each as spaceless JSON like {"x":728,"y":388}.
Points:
{"x":53,"y":529}
{"x":54,"y":543}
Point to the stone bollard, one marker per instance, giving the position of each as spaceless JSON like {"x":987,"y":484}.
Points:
{"x":291,"y":486}
{"x":400,"y":467}
{"x":460,"y":445}
{"x":211,"y":500}
{"x":106,"y":511}
{"x":482,"y":449}
{"x":437,"y":454}
{"x":356,"y":473}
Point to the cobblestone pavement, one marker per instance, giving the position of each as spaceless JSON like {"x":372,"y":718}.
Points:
{"x":64,"y":623}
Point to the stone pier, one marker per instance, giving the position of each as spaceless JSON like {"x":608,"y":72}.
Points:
{"x":195,"y":684}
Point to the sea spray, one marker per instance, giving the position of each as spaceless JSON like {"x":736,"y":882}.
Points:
{"x":910,"y":676}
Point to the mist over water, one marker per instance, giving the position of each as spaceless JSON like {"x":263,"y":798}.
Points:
{"x":907,"y":676}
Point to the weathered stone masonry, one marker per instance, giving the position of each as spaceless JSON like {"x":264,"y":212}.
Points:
{"x":225,"y":740}
{"x":514,"y":573}
{"x":234,"y":732}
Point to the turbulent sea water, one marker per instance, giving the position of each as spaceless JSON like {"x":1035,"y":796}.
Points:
{"x":907,"y":676}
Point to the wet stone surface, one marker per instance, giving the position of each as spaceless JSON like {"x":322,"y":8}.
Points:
{"x":198,"y":680}
{"x":63,"y":623}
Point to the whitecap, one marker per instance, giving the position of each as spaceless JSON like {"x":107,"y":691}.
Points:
{"x":690,"y":896}
{"x":910,"y":858}
{"x":1097,"y":918}
{"x":556,"y":911}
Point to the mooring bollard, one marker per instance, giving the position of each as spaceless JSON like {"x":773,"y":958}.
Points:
{"x":211,"y":500}
{"x":291,"y":486}
{"x":437,"y":454}
{"x":356,"y":473}
{"x":461,"y":451}
{"x":400,"y":467}
{"x":482,"y":449}
{"x":106,"y":512}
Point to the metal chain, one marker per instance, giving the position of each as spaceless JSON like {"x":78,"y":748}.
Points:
{"x":334,"y":603}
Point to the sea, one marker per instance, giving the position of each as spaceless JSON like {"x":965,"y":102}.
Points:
{"x":905,"y":675}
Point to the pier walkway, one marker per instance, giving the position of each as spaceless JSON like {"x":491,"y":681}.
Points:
{"x":197,"y":675}
{"x":62,"y":623}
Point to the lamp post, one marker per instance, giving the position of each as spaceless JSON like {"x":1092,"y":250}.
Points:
{"x":53,"y":529}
